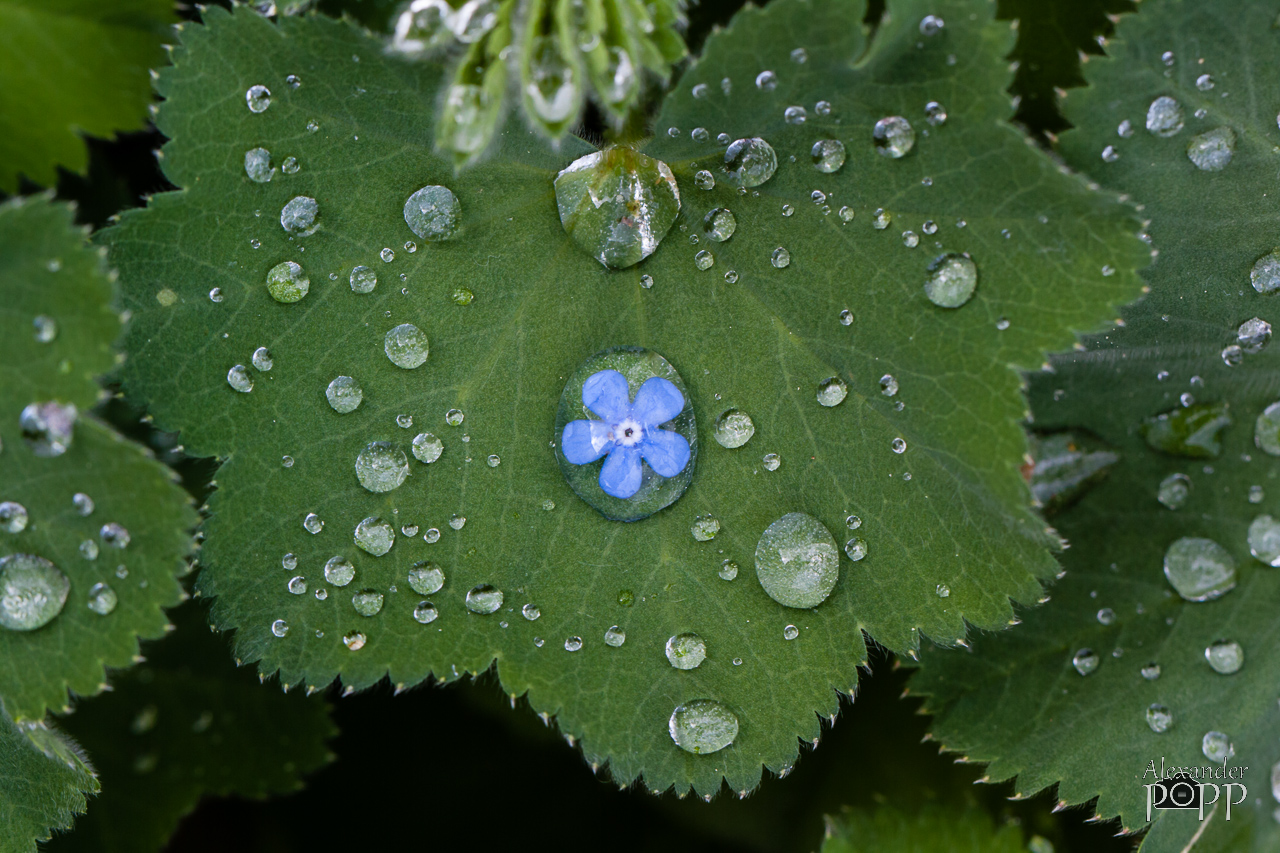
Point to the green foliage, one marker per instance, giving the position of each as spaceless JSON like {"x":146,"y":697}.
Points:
{"x":43,"y":782}
{"x":1017,"y":702}
{"x":47,"y":270}
{"x":933,"y":828}
{"x":763,"y":344}
{"x":69,"y":67}
{"x":183,"y":725}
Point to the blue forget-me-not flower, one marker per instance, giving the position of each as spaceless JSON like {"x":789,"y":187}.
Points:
{"x":627,"y":431}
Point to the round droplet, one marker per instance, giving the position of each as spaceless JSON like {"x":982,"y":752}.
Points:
{"x":312,"y":523}
{"x":705,"y":528}
{"x":704,"y":180}
{"x":454,"y":417}
{"x":846,"y":317}
{"x":47,"y":427}
{"x":354,"y":640}
{"x":910,"y":239}
{"x":704,"y":260}
{"x":530,"y":612}
{"x":280,"y":628}
{"x":790,"y":632}
{"x":1106,"y":616}
{"x":1256,"y":494}
{"x":89,"y":549}
{"x":298,"y":217}
{"x":287,"y":283}
{"x":1164,"y":116}
{"x":749,"y":162}
{"x":381,"y":466}
{"x":32,"y":592}
{"x":1085,"y":661}
{"x":615,"y":636}
{"x":426,"y":578}
{"x":363,"y":279}
{"x":406,"y":346}
{"x":888,"y":385}
{"x":1110,"y":154}
{"x":484,"y":598}
{"x":728,"y":570}
{"x":846,"y":214}
{"x":832,"y":391}
{"x":1253,"y":335}
{"x":734,"y":428}
{"x":262,"y":359}
{"x":13,"y":517}
{"x":797,"y":561}
{"x":297,"y":585}
{"x":433,"y":213}
{"x":374,"y":536}
{"x":795,"y":115}
{"x":1264,"y":539}
{"x":102,"y":599}
{"x":771,"y":461}
{"x":1212,"y":150}
{"x":935,"y":113}
{"x":290,"y":166}
{"x":686,"y":651}
{"x":457,"y":522}
{"x":856,"y":548}
{"x":1199,"y":569}
{"x":339,"y":571}
{"x":239,"y":379}
{"x":425,"y":612}
{"x":387,"y":254}
{"x":114,"y":535}
{"x":82,"y":503}
{"x":952,"y":280}
{"x":1159,"y":718}
{"x":1174,"y":490}
{"x":766,"y":81}
{"x":719,"y":224}
{"x":344,"y":394}
{"x":367,"y":602}
{"x":898,"y":445}
{"x":427,"y":448}
{"x":827,"y":155}
{"x":1225,"y":656}
{"x":702,"y":726}
{"x":257,"y":165}
{"x":258,"y":98}
{"x":1217,"y":747}
{"x":942,"y":590}
{"x":572,"y":644}
{"x":893,"y":136}
{"x":781,"y":258}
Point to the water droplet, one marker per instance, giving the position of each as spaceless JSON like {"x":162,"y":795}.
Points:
{"x":893,"y":136}
{"x":931,"y":25}
{"x":1256,"y":494}
{"x":381,"y":466}
{"x":828,"y":155}
{"x":935,"y":113}
{"x":1174,"y":490}
{"x":426,"y":578}
{"x":797,"y":561}
{"x":856,"y":548}
{"x":404,"y":421}
{"x":1217,"y":747}
{"x":114,"y":535}
{"x":287,"y":283}
{"x":354,"y":640}
{"x":457,"y":522}
{"x":47,"y":427}
{"x":882,"y":219}
{"x":952,"y":280}
{"x":1110,"y":154}
{"x":822,"y":108}
{"x":942,"y":590}
{"x":290,"y":166}
{"x":728,"y":570}
{"x":89,"y":549}
{"x":832,"y":391}
{"x":289,"y":561}
{"x":771,"y":461}
{"x":1106,"y":616}
{"x":1225,"y":656}
{"x":700,"y":90}
{"x":766,"y":81}
{"x":433,"y":213}
{"x":847,"y":213}
{"x":32,"y":592}
{"x":910,"y":239}
{"x":719,"y":224}
{"x":406,"y":346}
{"x":374,"y":536}
{"x":686,"y":651}
{"x":367,"y":602}
{"x":572,"y":644}
{"x":1264,"y":539}
{"x":344,"y":394}
{"x":1265,"y":275}
{"x":795,"y":115}
{"x":298,"y":217}
{"x":1204,"y":82}
{"x":1212,"y":150}
{"x":1199,"y":569}
{"x":705,"y":528}
{"x":704,"y":180}
{"x":280,"y":628}
{"x":297,"y":585}
{"x":704,"y":260}
{"x":102,"y":599}
{"x":313,"y":126}
{"x":749,"y":162}
{"x":846,"y":317}
{"x":1253,"y":335}
{"x":215,"y":295}
{"x":312,"y":523}
{"x":702,"y":726}
{"x":425,"y":612}
{"x":83,"y":504}
{"x":13,"y":517}
{"x":1085,"y":661}
{"x":339,"y":571}
{"x":239,"y":379}
{"x":363,"y":279}
{"x":484,"y":598}
{"x":734,"y":428}
{"x":780,"y":258}
{"x":1159,"y":718}
{"x":427,"y":448}
{"x":790,"y":632}
{"x":1151,"y":671}
{"x":1266,"y":430}
{"x":1164,"y":116}
{"x":257,"y":165}
{"x":258,"y":98}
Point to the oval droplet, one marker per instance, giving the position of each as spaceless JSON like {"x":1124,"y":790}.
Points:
{"x":1266,"y":429}
{"x":257,"y":165}
{"x":425,"y":612}
{"x":433,"y":213}
{"x":1159,"y":718}
{"x":797,"y":562}
{"x":1164,"y":116}
{"x":832,"y":391}
{"x":427,"y":448}
{"x":367,"y":602}
{"x":734,"y":428}
{"x":1085,"y":661}
{"x":686,"y":651}
{"x":1199,"y":569}
{"x":1217,"y":747}
{"x":298,"y":217}
{"x":344,"y":394}
{"x":719,"y":224}
{"x":374,"y":536}
{"x":426,"y":578}
{"x":702,"y":726}
{"x":13,"y":517}
{"x":1264,"y":539}
{"x":953,"y":278}
{"x":287,"y":283}
{"x":363,"y":279}
{"x":47,"y":427}
{"x":32,"y":592}
{"x":258,"y":98}
{"x":705,"y":528}
{"x":1212,"y":150}
{"x":484,"y":598}
{"x":381,"y":466}
{"x":1225,"y":656}
{"x":339,"y":571}
{"x":893,"y":136}
{"x":827,"y":155}
{"x":1174,"y":490}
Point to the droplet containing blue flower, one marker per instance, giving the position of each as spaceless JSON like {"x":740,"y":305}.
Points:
{"x":627,"y":438}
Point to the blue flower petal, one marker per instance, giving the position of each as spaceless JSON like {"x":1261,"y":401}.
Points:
{"x":606,"y":393}
{"x":657,"y":402}
{"x":620,"y":475}
{"x":585,"y":441}
{"x":666,"y":452}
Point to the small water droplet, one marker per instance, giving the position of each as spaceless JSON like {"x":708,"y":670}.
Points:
{"x":298,"y":216}
{"x":427,"y":448}
{"x":1264,"y":538}
{"x":822,"y":108}
{"x":114,"y":535}
{"x":1253,"y":335}
{"x":298,"y":585}
{"x":367,"y":602}
{"x":728,"y":570}
{"x":426,"y":578}
{"x":686,"y":651}
{"x":935,"y":113}
{"x":1212,"y":150}
{"x":790,"y":632}
{"x":387,"y":254}
{"x":898,"y":445}
{"x":704,"y":260}
{"x":1217,"y":747}
{"x":374,"y":536}
{"x":257,"y":165}
{"x":1165,"y":117}
{"x":312,"y":523}
{"x":1159,"y":718}
{"x":771,"y":461}
{"x":215,"y":295}
{"x":1110,"y":154}
{"x":89,"y":549}
{"x":258,"y":98}
{"x":290,"y":166}
{"x":1199,"y":569}
{"x":454,"y":417}
{"x":484,"y":599}
{"x":702,"y":726}
{"x":457,"y":522}
{"x":797,"y":562}
{"x":749,"y":162}
{"x":1174,"y":490}
{"x":354,"y":640}
{"x":239,"y":379}
{"x":795,"y":115}
{"x":882,"y":219}
{"x":431,"y":536}
{"x":432,"y":213}
{"x":705,"y":528}
{"x":1106,"y":616}
{"x":766,"y":81}
{"x":1225,"y":656}
{"x":1125,"y":129}
{"x":102,"y":599}
{"x":287,"y":283}
{"x":953,"y":278}
{"x":381,"y":466}
{"x":893,"y":136}
{"x":1085,"y":661}
{"x":425,"y":612}
{"x":942,"y":590}
{"x":781,"y":258}
{"x":339,"y":571}
{"x":406,"y":346}
{"x":832,"y":391}
{"x":13,"y":517}
{"x":280,"y":628}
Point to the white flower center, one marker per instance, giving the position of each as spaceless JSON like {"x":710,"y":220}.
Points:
{"x":628,"y":433}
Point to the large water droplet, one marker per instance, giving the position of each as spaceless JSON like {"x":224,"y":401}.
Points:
{"x":617,"y":204}
{"x":13,"y":517}
{"x":427,"y":448}
{"x":381,"y":466}
{"x":1164,"y":116}
{"x":827,"y":155}
{"x":1159,"y":718}
{"x":686,"y":651}
{"x":287,"y":283}
{"x":406,"y":346}
{"x":1085,"y":661}
{"x":262,"y":359}
{"x":344,"y":394}
{"x":1266,"y":429}
{"x":102,"y":599}
{"x":299,"y":217}
{"x":1212,"y":150}
{"x":1225,"y":656}
{"x":702,"y":726}
{"x":1216,"y":747}
{"x":797,"y":561}
{"x":734,"y":428}
{"x":367,"y":602}
{"x":484,"y":598}
{"x":953,"y":277}
{"x":280,"y":628}
{"x":1199,"y":569}
{"x":239,"y":379}
{"x":257,"y":165}
{"x":32,"y":592}
{"x":893,"y":136}
{"x":1174,"y":490}
{"x":258,"y":98}
{"x":339,"y":571}
{"x":832,"y":391}
{"x":47,"y":427}
{"x":1264,"y":540}
{"x":374,"y":536}
{"x":749,"y":162}
{"x":1188,"y":430}
{"x":1253,"y":335}
{"x":433,"y":213}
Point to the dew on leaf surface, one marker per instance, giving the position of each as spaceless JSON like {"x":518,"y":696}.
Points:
{"x":704,"y":180}
{"x":13,"y":517}
{"x":719,"y":224}
{"x":280,"y":628}
{"x":781,"y":258}
{"x":828,"y":155}
{"x":795,"y":115}
{"x":1265,"y":275}
{"x":312,"y":523}
{"x":83,"y":504}
{"x":572,"y":644}
{"x":832,"y":391}
{"x":363,"y":279}
{"x":910,"y":239}
{"x":1266,"y":429}
{"x":943,"y":590}
{"x":427,"y":447}
{"x":406,"y":346}
{"x":32,"y":592}
{"x":339,"y":571}
{"x":702,"y":726}
{"x":771,"y":461}
{"x":344,"y":394}
{"x":1253,"y":335}
{"x":797,"y":562}
{"x":953,"y":278}
{"x":614,"y":636}
{"x":114,"y":535}
{"x":705,"y":528}
{"x":484,"y":598}
{"x":1212,"y":150}
{"x":433,"y":213}
{"x":287,"y":283}
{"x":893,"y":136}
{"x":1264,"y":539}
{"x":374,"y":536}
{"x":704,"y":260}
{"x":239,"y":379}
{"x":881,"y":219}
{"x":1216,"y":746}
{"x":426,"y":578}
{"x":888,"y":385}
{"x":1224,"y":656}
{"x":1151,"y":671}
{"x":102,"y":599}
{"x":749,"y":162}
{"x":530,"y":612}
{"x":686,"y":651}
{"x":257,"y":165}
{"x":381,"y":466}
{"x":298,"y":217}
{"x":1085,"y":661}
{"x":766,"y":81}
{"x":1106,"y":616}
{"x":47,"y":427}
{"x":354,"y":640}
{"x":367,"y":602}
{"x":1165,"y":117}
{"x":728,"y":570}
{"x":1199,"y":569}
{"x":290,"y":166}
{"x":258,"y":98}
{"x":89,"y":549}
{"x":790,"y":632}
{"x":1174,"y":490}
{"x":425,"y":612}
{"x":1159,"y":718}
{"x":856,"y":548}
{"x":262,"y":359}
{"x":1191,"y":431}
{"x":297,"y":585}
{"x":935,"y":113}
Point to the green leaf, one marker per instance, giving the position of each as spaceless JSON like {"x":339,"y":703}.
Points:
{"x":764,"y":344}
{"x":69,"y":67}
{"x":1017,"y":702}
{"x":188,"y":724}
{"x":43,"y":781}
{"x":48,"y":271}
{"x":886,"y":829}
